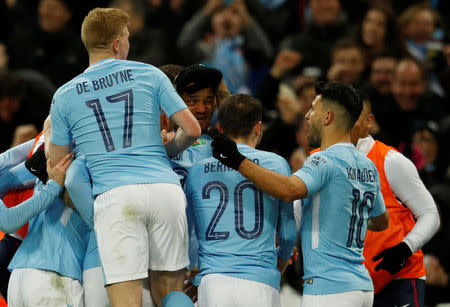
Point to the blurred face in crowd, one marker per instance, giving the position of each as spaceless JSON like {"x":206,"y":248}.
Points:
{"x":407,"y":85}
{"x":8,"y":108}
{"x":382,"y":73}
{"x":53,"y":15}
{"x":427,"y":144}
{"x":306,"y":97}
{"x":136,"y":20}
{"x":420,"y":29}
{"x":324,"y":12}
{"x":227,"y":22}
{"x":201,"y":104}
{"x":352,"y":61}
{"x":374,"y":28}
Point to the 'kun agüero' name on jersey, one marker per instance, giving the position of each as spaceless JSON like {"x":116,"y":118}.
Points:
{"x":105,"y":82}
{"x":362,"y":175}
{"x":217,"y":166}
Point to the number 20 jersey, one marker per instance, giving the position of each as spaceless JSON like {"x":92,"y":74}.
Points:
{"x":112,"y":113}
{"x":343,"y":193}
{"x":235,"y":223}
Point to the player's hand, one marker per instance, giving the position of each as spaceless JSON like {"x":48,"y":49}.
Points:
{"x":167,"y":136}
{"x":225,"y":150}
{"x":394,"y":258}
{"x":58,"y":172}
{"x":189,"y":288}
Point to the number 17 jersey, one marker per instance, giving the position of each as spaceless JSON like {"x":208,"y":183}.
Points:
{"x":111,"y":112}
{"x":343,"y":193}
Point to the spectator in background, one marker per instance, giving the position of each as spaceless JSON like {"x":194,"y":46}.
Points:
{"x":418,"y":26}
{"x":4,"y":58}
{"x":412,"y":102}
{"x":148,"y":45}
{"x":434,"y":162}
{"x":347,"y":63}
{"x":236,"y":45}
{"x":49,"y":46}
{"x":327,"y":24}
{"x":376,"y":33}
{"x":302,"y":152}
{"x":281,"y":133}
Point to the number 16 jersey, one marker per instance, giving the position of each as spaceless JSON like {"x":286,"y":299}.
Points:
{"x":343,"y":193}
{"x":111,"y":112}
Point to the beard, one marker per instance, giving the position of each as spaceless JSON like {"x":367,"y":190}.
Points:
{"x":314,"y":141}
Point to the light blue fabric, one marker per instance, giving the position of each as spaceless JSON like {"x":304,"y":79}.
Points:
{"x":56,"y":240}
{"x":15,"y":155}
{"x":229,"y":59}
{"x":235,"y":223}
{"x":176,"y":299}
{"x":343,"y":193}
{"x":17,"y":177}
{"x":112,"y":112}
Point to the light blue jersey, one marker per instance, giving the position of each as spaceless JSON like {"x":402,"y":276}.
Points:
{"x":112,"y":112}
{"x":235,"y":222}
{"x":79,"y":186}
{"x":343,"y":193}
{"x":182,"y":162}
{"x":56,"y":241}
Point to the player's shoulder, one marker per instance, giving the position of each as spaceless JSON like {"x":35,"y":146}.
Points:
{"x":265,"y":159}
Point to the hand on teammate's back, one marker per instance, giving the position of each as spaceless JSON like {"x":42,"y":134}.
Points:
{"x":58,"y":172}
{"x":394,"y":258}
{"x":225,"y":150}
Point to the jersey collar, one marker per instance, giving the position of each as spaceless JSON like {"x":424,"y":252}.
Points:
{"x":345,"y":144}
{"x":99,"y":63}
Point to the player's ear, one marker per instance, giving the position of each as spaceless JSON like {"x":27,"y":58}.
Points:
{"x":257,"y":128}
{"x":328,"y":118}
{"x":219,"y":127}
{"x":116,"y":45}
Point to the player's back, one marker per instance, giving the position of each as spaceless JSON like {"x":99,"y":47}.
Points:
{"x":335,"y":219}
{"x":235,"y":222}
{"x":112,"y":112}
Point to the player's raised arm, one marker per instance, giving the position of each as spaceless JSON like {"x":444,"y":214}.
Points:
{"x":13,"y":218}
{"x":188,"y":131}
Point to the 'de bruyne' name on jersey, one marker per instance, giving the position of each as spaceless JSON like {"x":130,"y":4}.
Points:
{"x":105,"y":82}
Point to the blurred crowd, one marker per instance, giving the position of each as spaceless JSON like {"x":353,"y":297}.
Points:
{"x":398,"y":52}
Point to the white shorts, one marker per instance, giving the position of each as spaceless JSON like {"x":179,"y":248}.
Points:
{"x":141,"y":227}
{"x":344,"y":299}
{"x":221,"y":290}
{"x":34,"y":288}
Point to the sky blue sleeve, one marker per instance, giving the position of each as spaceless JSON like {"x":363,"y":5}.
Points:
{"x":170,"y":101}
{"x":60,"y":128}
{"x":13,"y":218}
{"x":315,"y":172}
{"x":15,"y":178}
{"x":15,"y":155}
{"x":286,"y":227}
{"x":79,"y":187}
{"x":379,"y":207}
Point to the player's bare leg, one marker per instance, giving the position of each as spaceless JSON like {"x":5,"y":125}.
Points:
{"x":127,"y":293}
{"x":163,"y":282}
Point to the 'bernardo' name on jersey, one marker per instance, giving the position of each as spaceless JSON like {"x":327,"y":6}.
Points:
{"x":105,"y":82}
{"x":217,"y":166}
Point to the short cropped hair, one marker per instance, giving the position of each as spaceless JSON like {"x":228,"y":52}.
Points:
{"x":101,"y":26}
{"x":171,"y":71}
{"x":343,"y":96}
{"x":238,"y":114}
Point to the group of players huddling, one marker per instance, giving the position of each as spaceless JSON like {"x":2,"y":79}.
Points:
{"x":135,"y":192}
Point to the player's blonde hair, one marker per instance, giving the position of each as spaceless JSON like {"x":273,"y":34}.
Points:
{"x":101,"y":26}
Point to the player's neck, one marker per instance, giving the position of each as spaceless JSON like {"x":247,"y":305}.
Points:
{"x":97,"y":57}
{"x":334,"y":137}
{"x":247,"y":141}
